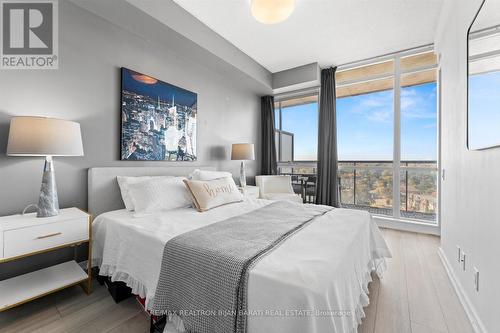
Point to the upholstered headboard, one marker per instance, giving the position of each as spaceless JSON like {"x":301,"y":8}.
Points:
{"x":104,"y":193}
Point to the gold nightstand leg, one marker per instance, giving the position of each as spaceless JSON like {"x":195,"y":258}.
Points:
{"x":87,"y":285}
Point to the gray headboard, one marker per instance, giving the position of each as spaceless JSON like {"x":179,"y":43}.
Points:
{"x":104,"y":193}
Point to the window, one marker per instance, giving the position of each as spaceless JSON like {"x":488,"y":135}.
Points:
{"x":418,"y":172}
{"x":296,"y":123}
{"x":386,"y":133}
{"x":297,"y":142}
{"x":365,"y":119}
{"x":384,"y":142}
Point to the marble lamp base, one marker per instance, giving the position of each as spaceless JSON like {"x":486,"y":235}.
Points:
{"x":243,"y":176}
{"x":48,"y":203}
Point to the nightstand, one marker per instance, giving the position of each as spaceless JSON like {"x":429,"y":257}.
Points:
{"x":26,"y":235}
{"x":250,"y":191}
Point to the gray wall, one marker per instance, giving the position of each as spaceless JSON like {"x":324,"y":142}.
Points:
{"x":214,"y":51}
{"x":469,"y":197}
{"x":86,"y":89}
{"x":301,"y":77}
{"x":177,"y":18}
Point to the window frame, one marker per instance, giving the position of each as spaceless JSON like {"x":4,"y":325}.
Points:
{"x":396,"y":158}
{"x":279,"y":152}
{"x":397,"y":165}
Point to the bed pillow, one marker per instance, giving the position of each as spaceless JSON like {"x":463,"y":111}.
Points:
{"x":159,"y":194}
{"x":124,"y":182}
{"x":208,"y":194}
{"x":208,"y":175}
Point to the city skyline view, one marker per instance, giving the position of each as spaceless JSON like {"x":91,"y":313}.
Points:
{"x":158,"y":120}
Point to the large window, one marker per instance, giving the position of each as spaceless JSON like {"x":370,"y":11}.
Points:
{"x":365,"y":136}
{"x":387,"y":125}
{"x":387,"y":136}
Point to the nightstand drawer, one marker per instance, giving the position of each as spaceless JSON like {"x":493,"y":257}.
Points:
{"x":22,"y":241}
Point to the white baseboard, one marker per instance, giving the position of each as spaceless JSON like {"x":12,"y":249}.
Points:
{"x":392,"y":223}
{"x":474,"y":319}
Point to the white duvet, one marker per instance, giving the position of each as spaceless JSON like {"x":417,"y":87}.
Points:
{"x":315,"y":282}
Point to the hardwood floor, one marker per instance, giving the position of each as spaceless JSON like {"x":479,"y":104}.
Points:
{"x":414,"y":296}
{"x":72,"y":310}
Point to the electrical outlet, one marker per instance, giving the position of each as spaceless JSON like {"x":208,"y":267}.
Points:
{"x":459,"y":254}
{"x":463,"y":260}
{"x":476,"y":279}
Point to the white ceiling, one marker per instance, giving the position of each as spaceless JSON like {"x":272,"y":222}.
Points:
{"x":488,"y":16}
{"x":330,"y":32}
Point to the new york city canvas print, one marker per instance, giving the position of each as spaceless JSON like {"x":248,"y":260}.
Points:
{"x":158,"y":119}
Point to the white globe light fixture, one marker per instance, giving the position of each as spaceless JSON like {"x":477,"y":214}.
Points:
{"x":272,"y":11}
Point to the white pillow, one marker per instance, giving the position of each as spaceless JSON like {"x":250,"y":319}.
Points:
{"x":209,"y":175}
{"x":159,"y":194}
{"x":208,"y":194}
{"x":124,"y":182}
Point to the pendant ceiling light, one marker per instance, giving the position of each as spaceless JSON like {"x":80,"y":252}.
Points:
{"x":272,"y":11}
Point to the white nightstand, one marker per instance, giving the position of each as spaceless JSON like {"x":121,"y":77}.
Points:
{"x":250,"y":191}
{"x":25,"y":235}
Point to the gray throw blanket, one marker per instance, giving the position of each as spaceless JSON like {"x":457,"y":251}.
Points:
{"x":204,"y":272}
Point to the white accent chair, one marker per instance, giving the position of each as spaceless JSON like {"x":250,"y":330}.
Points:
{"x":277,"y":188}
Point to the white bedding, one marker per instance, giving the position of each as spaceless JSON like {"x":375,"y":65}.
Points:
{"x":326,"y":266}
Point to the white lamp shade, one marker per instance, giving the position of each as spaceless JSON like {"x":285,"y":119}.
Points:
{"x":39,"y":136}
{"x":272,"y":11}
{"x":242,"y":151}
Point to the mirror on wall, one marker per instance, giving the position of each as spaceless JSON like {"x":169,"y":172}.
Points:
{"x":483,"y":116}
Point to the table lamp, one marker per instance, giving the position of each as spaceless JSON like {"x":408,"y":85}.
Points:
{"x":243,"y":152}
{"x":48,"y":137}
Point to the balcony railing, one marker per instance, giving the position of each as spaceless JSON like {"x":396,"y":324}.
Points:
{"x":368,"y":185}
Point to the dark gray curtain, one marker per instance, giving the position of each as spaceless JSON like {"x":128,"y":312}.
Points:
{"x":268,"y":166}
{"x":327,"y":182}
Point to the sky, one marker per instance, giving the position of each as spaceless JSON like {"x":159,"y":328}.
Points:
{"x":302,"y":121}
{"x":365,"y":126}
{"x":484,"y":110}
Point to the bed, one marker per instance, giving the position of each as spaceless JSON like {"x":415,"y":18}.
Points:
{"x":315,"y":281}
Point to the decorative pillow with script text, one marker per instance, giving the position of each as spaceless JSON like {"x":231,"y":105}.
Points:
{"x":208,"y":194}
